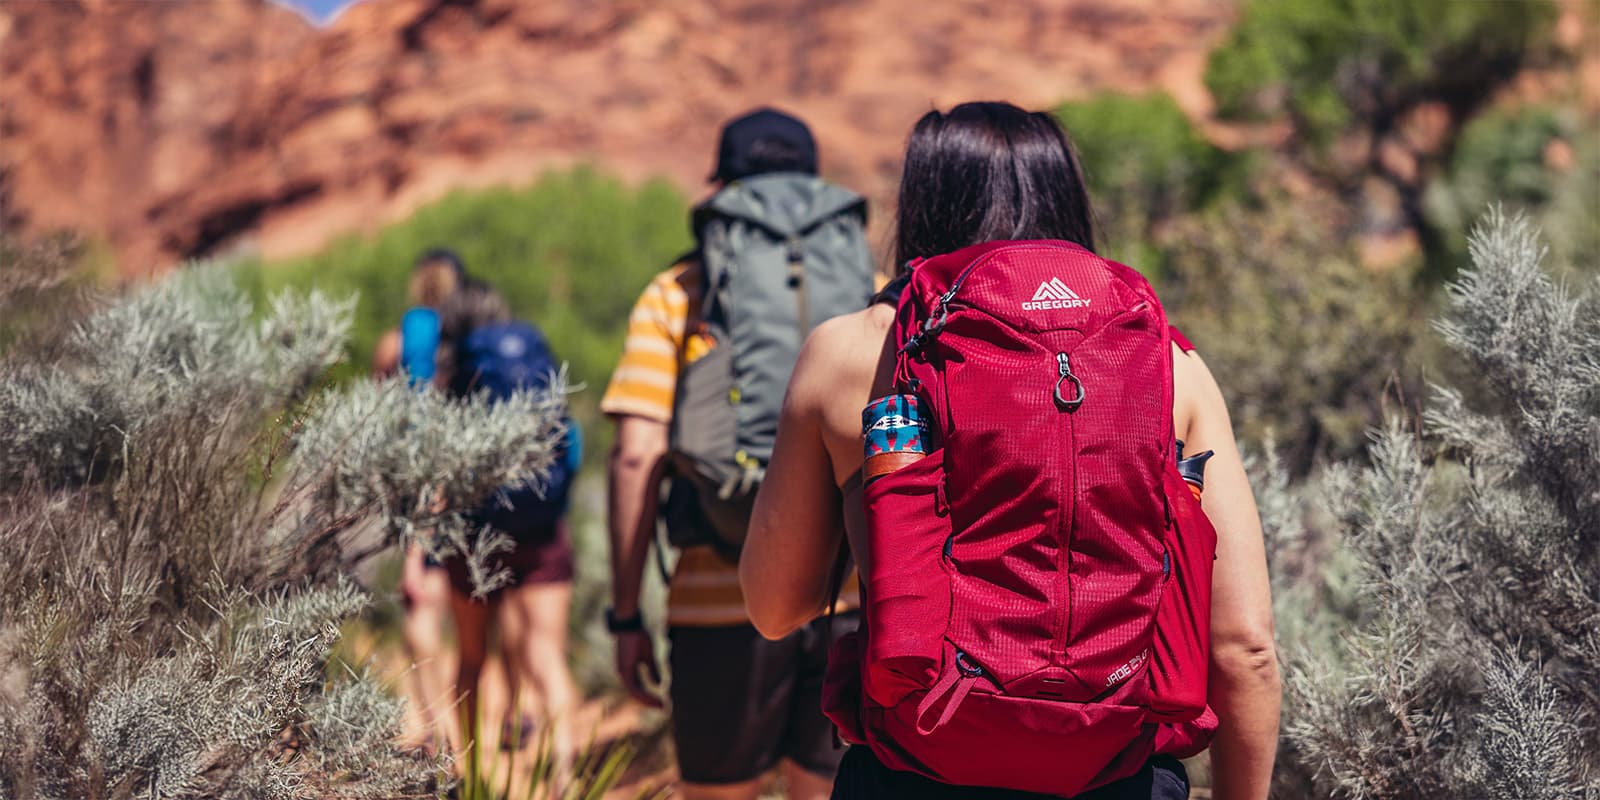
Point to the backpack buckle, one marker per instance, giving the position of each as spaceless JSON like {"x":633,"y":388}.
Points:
{"x":930,"y":331}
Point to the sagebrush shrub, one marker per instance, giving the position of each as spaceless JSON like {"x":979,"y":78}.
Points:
{"x":179,"y":507}
{"x":1466,"y":666}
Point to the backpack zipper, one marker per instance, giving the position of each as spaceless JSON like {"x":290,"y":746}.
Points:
{"x":797,"y":282}
{"x":1064,"y":374}
{"x":1066,"y":524}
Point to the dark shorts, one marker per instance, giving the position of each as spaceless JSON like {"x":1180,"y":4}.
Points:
{"x":535,"y":557}
{"x":861,"y":775}
{"x":741,"y":703}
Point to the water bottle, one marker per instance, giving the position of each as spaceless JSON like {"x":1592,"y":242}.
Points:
{"x":1193,"y":469}
{"x":419,"y":342}
{"x":893,"y":433}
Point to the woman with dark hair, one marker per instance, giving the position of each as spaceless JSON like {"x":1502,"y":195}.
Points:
{"x":411,"y":348}
{"x":990,"y":172}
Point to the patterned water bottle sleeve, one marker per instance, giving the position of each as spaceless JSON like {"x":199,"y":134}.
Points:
{"x":893,"y":434}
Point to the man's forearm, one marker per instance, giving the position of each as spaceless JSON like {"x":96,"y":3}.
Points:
{"x":631,"y":518}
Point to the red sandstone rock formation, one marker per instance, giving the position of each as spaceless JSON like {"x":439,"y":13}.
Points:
{"x":175,"y":129}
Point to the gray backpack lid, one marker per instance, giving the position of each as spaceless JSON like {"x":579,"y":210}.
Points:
{"x":785,"y":203}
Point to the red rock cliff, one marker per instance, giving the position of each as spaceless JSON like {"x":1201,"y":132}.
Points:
{"x":174,"y":129}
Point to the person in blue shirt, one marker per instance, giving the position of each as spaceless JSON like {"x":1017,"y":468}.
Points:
{"x":412,"y":349}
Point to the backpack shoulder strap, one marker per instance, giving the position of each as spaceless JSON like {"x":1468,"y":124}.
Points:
{"x":836,"y":576}
{"x":891,"y":292}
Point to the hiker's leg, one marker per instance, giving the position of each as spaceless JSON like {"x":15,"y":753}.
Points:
{"x":536,"y":648}
{"x":472,"y":644}
{"x":810,"y":749}
{"x":543,"y":564}
{"x":805,"y":784}
{"x":425,"y":592}
{"x":522,"y":704}
{"x":748,"y":790}
{"x":731,"y":694}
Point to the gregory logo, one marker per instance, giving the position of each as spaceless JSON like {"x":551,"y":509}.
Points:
{"x":1054,"y":294}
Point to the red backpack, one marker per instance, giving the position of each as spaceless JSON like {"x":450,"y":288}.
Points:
{"x":1037,"y":589}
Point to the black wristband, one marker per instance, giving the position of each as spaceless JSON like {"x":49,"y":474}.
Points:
{"x":617,"y":624}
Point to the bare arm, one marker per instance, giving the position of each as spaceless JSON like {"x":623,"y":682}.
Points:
{"x":637,"y":462}
{"x":635,"y":470}
{"x":1244,"y":689}
{"x":796,"y":530}
{"x":386,"y":354}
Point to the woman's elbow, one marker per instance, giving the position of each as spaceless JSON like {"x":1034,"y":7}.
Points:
{"x":763,"y":604}
{"x":770,"y":619}
{"x":773,"y":628}
{"x":1248,"y":660}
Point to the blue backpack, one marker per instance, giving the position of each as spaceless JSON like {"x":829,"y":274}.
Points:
{"x":499,"y":360}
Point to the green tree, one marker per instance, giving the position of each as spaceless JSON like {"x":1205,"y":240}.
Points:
{"x":1145,"y":164}
{"x":1355,"y":71}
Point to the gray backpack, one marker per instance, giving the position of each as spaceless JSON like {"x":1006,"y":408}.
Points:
{"x":782,"y":253}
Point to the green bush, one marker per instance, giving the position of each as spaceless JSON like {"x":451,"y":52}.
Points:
{"x":1503,"y":152}
{"x":1144,"y":148}
{"x":179,"y":516}
{"x":44,"y":281}
{"x":570,"y":253}
{"x":1145,"y":163}
{"x":1306,"y":343}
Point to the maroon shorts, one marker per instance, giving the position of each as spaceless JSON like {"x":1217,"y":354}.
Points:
{"x":535,"y":557}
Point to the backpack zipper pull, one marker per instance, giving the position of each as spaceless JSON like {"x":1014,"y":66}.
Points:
{"x":797,"y":282}
{"x":955,"y":684}
{"x":1064,"y":369}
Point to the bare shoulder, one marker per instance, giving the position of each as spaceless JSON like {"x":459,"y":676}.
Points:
{"x":843,"y":336}
{"x":1191,"y":376}
{"x":842,"y":352}
{"x":1196,"y":397}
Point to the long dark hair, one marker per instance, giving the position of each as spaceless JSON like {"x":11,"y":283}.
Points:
{"x":988,"y":171}
{"x":473,"y":306}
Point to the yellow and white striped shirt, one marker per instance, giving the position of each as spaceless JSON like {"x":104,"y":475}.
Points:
{"x":663,"y":335}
